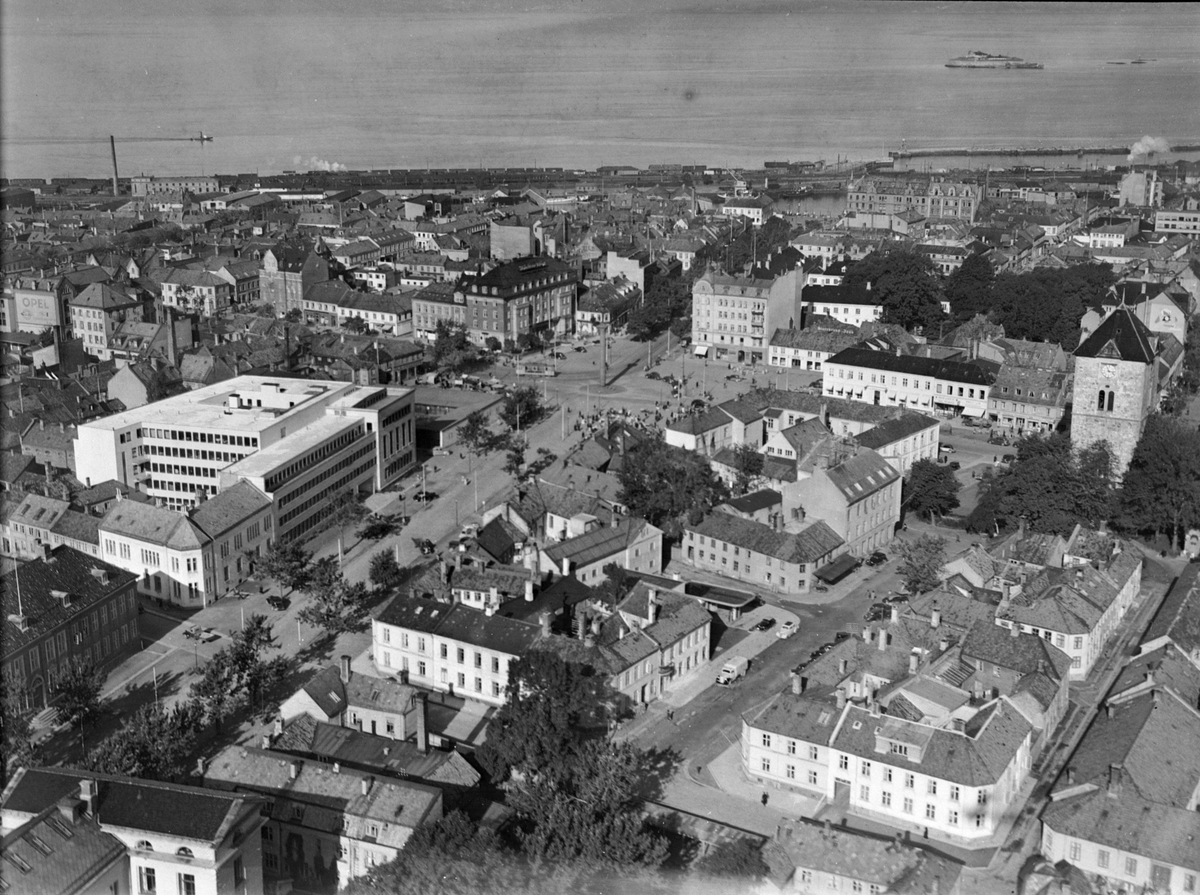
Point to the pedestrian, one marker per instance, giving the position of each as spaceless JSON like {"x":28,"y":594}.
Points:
{"x":764,"y":799}
{"x":925,"y":835}
{"x":670,"y":714}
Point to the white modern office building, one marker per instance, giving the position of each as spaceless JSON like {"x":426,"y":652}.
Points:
{"x":299,"y":441}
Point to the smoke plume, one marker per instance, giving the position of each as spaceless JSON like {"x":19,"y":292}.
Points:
{"x":317,"y":164}
{"x":1147,"y":146}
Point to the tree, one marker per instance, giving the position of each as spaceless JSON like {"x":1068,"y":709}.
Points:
{"x":385,"y":572}
{"x":922,"y":562}
{"x":591,"y":812}
{"x":748,"y":465}
{"x":493,"y":344}
{"x":969,"y":288}
{"x":930,"y":488}
{"x":215,"y":694}
{"x":355,"y":324}
{"x":254,"y":673}
{"x":1095,"y":484}
{"x":474,"y":432}
{"x":905,"y":283}
{"x":377,"y":529}
{"x":1161,"y":490}
{"x":738,"y":858}
{"x":522,"y":407}
{"x":287,"y":563}
{"x":346,"y":509}
{"x":154,"y":743}
{"x":452,"y":346}
{"x":515,"y":458}
{"x":78,"y":693}
{"x":664,"y":484}
{"x":16,"y":731}
{"x":551,"y":703}
{"x":337,"y":605}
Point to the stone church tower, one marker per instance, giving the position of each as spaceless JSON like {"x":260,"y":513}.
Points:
{"x":1116,"y":385}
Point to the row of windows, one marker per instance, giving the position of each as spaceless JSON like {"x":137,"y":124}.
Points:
{"x":322,"y":495}
{"x":151,"y":450}
{"x":201,"y":437}
{"x":274,"y":480}
{"x":349,"y":459}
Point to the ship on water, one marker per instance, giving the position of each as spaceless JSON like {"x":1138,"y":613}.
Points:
{"x":978,"y":59}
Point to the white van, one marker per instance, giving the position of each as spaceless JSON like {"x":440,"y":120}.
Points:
{"x":732,"y":670}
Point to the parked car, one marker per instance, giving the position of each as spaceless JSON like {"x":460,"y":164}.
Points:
{"x":840,"y":636}
{"x":954,"y":464}
{"x":896,"y":599}
{"x":425,"y":545}
{"x":945,"y":449}
{"x":876,"y":612}
{"x":424,"y":496}
{"x":1008,"y":458}
{"x":820,"y":651}
{"x":560,"y":355}
{"x":279,"y":603}
{"x":787,"y":629}
{"x":580,"y":349}
{"x":470,"y":530}
{"x":653,"y":375}
{"x":877,"y":558}
{"x":765,"y":625}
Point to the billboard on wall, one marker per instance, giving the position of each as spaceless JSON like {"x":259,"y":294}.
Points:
{"x":45,"y":357}
{"x":37,"y":310}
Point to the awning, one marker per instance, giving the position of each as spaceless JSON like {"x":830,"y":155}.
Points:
{"x":838,"y":569}
{"x":891,"y":396}
{"x":970,"y":411}
{"x":701,"y":351}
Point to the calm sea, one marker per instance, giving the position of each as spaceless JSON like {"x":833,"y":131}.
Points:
{"x":298,"y":84}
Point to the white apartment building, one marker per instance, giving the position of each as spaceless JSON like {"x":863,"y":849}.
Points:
{"x":852,"y":305}
{"x":1185,"y":222}
{"x":955,"y":778}
{"x":733,"y":318}
{"x":188,"y":558}
{"x":927,"y":384}
{"x":301,"y":442}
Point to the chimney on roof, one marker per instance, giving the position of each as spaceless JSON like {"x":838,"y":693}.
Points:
{"x":883,"y":639}
{"x":875,"y":710}
{"x":841,"y":698}
{"x":935,"y":618}
{"x":843,"y":666}
{"x":89,"y":790}
{"x":345,"y":667}
{"x":266,"y":741}
{"x":544,"y":619}
{"x":1114,"y":779}
{"x":913,"y":662}
{"x":797,"y":686}
{"x":366,"y":785}
{"x":652,"y":605}
{"x":422,"y":722}
{"x":1014,"y":630}
{"x":895,"y":613}
{"x":943,"y":645}
{"x":1070,"y":776}
{"x":1041,"y":666}
{"x":489,"y":610}
{"x":294,"y":770}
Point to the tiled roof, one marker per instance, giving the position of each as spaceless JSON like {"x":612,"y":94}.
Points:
{"x":862,"y":475}
{"x":822,"y":340}
{"x":972,"y":760}
{"x":755,"y":501}
{"x":1178,"y":618}
{"x":699,"y":423}
{"x":1153,"y":737}
{"x":841,"y":295}
{"x":415,"y":614}
{"x":966,"y":372}
{"x":79,"y":852}
{"x":1127,"y":823}
{"x":1164,"y":667}
{"x":401,"y":804}
{"x":1121,"y":336}
{"x":992,"y":643}
{"x":69,"y":571}
{"x":152,"y":524}
{"x":143,"y":805}
{"x":892,"y":430}
{"x":598,"y":544}
{"x":810,"y":717}
{"x":229,"y":508}
{"x":810,"y":545}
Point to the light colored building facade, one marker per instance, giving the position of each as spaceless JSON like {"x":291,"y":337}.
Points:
{"x":197,"y":292}
{"x":936,"y":199}
{"x":520,"y":297}
{"x":97,"y":311}
{"x":926,"y":384}
{"x":1183,"y":221}
{"x":733,"y":318}
{"x":854,"y":306}
{"x":300,"y":442}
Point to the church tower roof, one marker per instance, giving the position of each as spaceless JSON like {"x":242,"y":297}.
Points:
{"x":1120,"y":336}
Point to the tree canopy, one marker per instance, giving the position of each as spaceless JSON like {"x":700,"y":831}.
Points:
{"x":922,"y":562}
{"x":153,"y":743}
{"x":286,"y":563}
{"x":969,"y":288}
{"x":931,"y":488}
{"x":906,"y":284}
{"x":78,"y":690}
{"x":1051,"y":485}
{"x":522,"y":407}
{"x":665,"y":484}
{"x":1161,"y":490}
{"x":452,"y":347}
{"x":337,"y":605}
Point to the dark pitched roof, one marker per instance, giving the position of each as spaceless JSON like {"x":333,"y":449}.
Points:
{"x":1024,"y":653}
{"x":154,"y":807}
{"x":890,"y":431}
{"x":810,"y":545}
{"x":53,"y":854}
{"x":68,"y":571}
{"x":956,"y":371}
{"x":756,"y":500}
{"x":1120,"y":336}
{"x":1178,"y":618}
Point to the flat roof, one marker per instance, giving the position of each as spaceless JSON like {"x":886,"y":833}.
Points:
{"x":293,"y":445}
{"x":206,"y":408}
